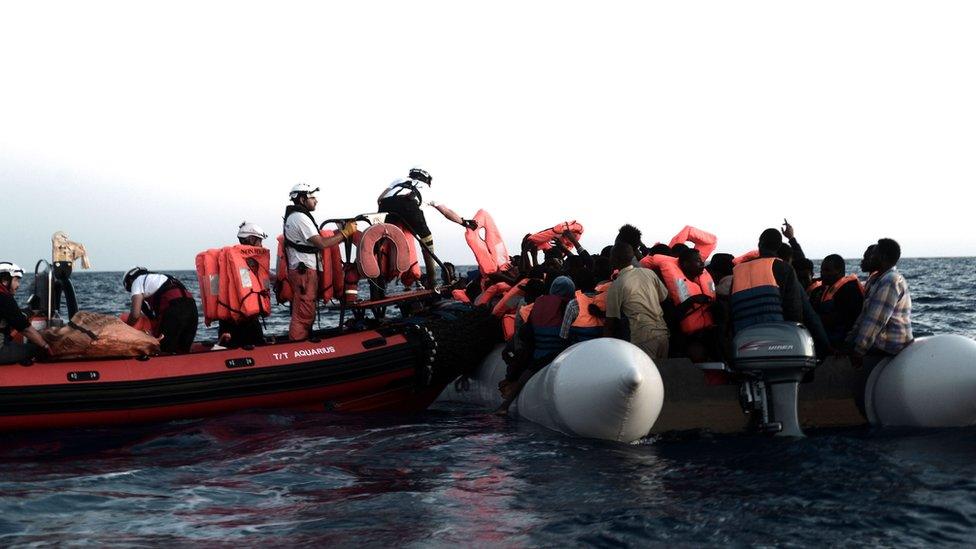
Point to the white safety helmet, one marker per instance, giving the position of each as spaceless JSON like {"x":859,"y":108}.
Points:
{"x":300,"y":189}
{"x":250,"y":229}
{"x":131,"y":275}
{"x":421,"y":175}
{"x":12,"y":269}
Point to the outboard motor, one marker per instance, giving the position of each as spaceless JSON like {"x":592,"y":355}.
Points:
{"x":773,"y":358}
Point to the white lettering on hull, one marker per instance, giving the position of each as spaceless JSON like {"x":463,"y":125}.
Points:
{"x":302,"y":353}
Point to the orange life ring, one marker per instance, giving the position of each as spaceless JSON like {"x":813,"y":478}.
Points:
{"x":383,"y":251}
{"x":229,"y":288}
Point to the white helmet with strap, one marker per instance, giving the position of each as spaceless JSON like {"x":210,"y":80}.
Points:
{"x":300,"y":189}
{"x":14,"y":270}
{"x":420,"y":175}
{"x":131,"y":275}
{"x":250,"y":229}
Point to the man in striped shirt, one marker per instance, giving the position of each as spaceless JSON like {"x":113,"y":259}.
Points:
{"x":884,"y":326}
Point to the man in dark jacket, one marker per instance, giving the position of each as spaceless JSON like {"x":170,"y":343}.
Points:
{"x":11,"y":318}
{"x":840,"y":301}
{"x":766,"y":289}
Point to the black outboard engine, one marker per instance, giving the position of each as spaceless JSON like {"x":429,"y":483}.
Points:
{"x":773,"y":357}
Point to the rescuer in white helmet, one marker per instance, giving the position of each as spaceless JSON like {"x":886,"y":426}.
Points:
{"x":12,"y":318}
{"x":404,"y":199}
{"x":247,"y":331}
{"x":303,"y":251}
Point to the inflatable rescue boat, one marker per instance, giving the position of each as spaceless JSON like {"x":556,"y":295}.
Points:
{"x":608,"y":389}
{"x":363,"y":365}
{"x":401,"y":366}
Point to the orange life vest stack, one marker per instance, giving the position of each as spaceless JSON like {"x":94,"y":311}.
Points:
{"x":235,"y":282}
{"x":332,"y":271}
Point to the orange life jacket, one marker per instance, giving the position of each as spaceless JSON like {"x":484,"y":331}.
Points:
{"x":496,"y":289}
{"x":489,"y":251}
{"x":460,"y":295}
{"x":542,"y":240}
{"x":330,"y":286}
{"x":600,"y":299}
{"x":510,"y":300}
{"x":230,"y":288}
{"x":680,"y":288}
{"x":208,"y":277}
{"x":585,"y":319}
{"x":704,"y":242}
{"x":250,"y":290}
{"x":755,"y":293}
{"x":829,"y":293}
{"x":508,"y":326}
{"x":748,"y":256}
{"x":283,"y":291}
{"x":814,"y":285}
{"x":332,"y":273}
{"x":144,"y":324}
{"x":586,"y":326}
{"x":508,"y":321}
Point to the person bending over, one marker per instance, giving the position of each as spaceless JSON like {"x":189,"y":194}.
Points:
{"x":164,"y":298}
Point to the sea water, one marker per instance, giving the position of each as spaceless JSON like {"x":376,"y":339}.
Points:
{"x":460,"y":477}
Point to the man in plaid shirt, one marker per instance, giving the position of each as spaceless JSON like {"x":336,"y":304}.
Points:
{"x":885,"y":325}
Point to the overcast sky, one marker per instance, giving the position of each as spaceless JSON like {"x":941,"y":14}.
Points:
{"x":149,"y":131}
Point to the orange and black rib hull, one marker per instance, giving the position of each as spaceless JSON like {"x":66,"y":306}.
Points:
{"x":374,"y":370}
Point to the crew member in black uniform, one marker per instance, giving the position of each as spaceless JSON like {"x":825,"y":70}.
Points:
{"x":12,"y":318}
{"x":404,"y":199}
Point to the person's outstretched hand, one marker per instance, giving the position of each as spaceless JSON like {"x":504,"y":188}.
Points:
{"x":788,"y":230}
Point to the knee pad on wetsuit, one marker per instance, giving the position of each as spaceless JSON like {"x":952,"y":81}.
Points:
{"x":428,"y":241}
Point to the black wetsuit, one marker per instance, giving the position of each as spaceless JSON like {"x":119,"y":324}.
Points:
{"x":405,"y":208}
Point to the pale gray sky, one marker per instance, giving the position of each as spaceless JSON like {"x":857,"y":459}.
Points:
{"x":148,"y":131}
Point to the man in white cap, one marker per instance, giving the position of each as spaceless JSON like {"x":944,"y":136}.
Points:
{"x":12,"y":318}
{"x":250,"y":234}
{"x":248,"y":331}
{"x":303,"y":251}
